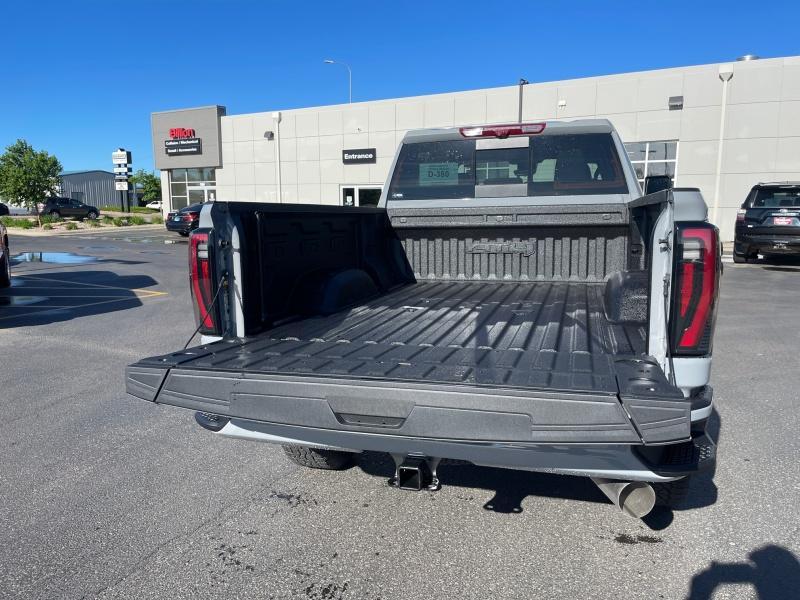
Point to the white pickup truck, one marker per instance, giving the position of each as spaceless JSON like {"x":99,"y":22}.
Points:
{"x":513,"y":301}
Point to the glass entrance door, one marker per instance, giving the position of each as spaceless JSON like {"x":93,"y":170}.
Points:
{"x":201,"y":194}
{"x":360,"y":195}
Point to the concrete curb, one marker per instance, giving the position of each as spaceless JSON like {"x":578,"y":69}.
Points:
{"x":99,"y":230}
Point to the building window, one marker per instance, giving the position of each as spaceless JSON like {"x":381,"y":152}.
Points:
{"x":653,"y":158}
{"x":187,"y":186}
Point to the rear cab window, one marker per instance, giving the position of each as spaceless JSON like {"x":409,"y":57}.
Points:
{"x":550,"y":165}
{"x":779,"y":197}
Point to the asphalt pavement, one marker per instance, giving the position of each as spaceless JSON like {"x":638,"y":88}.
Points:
{"x":106,"y":496}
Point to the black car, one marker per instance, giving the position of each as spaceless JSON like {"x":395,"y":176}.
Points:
{"x":4,"y":210}
{"x":768,"y":222}
{"x":67,"y":207}
{"x":185,"y":220}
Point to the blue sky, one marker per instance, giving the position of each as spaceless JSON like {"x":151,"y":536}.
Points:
{"x":81,"y":78}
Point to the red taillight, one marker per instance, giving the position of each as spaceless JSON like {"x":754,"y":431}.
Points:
{"x":740,"y":215}
{"x":502,"y":131}
{"x":201,"y":282}
{"x":697,"y":286}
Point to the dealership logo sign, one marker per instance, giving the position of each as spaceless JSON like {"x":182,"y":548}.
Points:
{"x":177,"y":133}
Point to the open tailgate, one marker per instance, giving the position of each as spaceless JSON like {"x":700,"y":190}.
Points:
{"x":542,"y":397}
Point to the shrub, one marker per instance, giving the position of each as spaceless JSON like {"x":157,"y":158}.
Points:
{"x":47,"y":219}
{"x":120,"y":222}
{"x":71,"y":226}
{"x":108,"y":220}
{"x":157,"y":219}
{"x":47,"y":226}
{"x":137,"y":220}
{"x":19,"y":223}
{"x":92,"y":222}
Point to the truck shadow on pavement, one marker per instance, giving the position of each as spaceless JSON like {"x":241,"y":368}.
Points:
{"x":511,"y":487}
{"x":772,"y":570}
{"x":44,"y":298}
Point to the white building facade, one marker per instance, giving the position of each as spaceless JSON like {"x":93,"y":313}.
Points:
{"x":721,"y":127}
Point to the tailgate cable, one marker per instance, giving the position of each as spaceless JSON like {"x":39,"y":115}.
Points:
{"x":222,"y":281}
{"x":666,"y":332}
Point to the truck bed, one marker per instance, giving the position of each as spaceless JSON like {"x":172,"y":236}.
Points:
{"x":529,"y":335}
{"x":523,"y":362}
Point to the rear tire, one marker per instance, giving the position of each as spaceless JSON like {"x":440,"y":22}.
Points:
{"x":55,"y":213}
{"x":739,"y":259}
{"x":92,"y":216}
{"x":314,"y":458}
{"x":671,"y":494}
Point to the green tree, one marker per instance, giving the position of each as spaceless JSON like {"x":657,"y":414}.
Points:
{"x":28,"y":176}
{"x":149,"y":184}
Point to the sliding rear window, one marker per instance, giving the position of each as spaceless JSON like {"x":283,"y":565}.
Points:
{"x":552,"y":165}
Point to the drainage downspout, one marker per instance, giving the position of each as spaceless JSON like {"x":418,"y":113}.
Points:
{"x":277,"y":117}
{"x":725,"y":74}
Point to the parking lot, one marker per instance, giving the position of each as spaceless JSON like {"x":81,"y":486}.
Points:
{"x":107,"y":496}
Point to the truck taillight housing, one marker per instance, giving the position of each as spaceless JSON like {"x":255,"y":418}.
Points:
{"x":740,"y":214}
{"x":201,"y":282}
{"x":696,"y":292}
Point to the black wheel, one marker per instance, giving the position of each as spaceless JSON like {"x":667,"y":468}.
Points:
{"x":5,"y":273}
{"x":92,"y":215}
{"x":330,"y":460}
{"x":54,"y":213}
{"x":739,"y":259}
{"x":671,"y":494}
{"x":184,"y":233}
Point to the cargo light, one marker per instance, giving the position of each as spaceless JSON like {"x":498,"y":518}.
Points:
{"x":201,"y":283}
{"x":502,"y":131}
{"x":694,"y":306}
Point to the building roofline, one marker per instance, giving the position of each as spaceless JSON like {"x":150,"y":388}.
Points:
{"x":65,"y":173}
{"x":214,"y":106}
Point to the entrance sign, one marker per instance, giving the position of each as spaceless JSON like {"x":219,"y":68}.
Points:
{"x":361,"y":156}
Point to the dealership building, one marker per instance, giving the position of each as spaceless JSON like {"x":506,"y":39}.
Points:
{"x":721,"y":127}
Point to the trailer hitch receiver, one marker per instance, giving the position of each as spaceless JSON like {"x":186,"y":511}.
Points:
{"x":415,"y":473}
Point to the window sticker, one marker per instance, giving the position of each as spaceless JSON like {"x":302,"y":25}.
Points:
{"x":438,"y":173}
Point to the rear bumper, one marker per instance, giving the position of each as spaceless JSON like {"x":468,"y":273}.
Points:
{"x":747,"y":244}
{"x":180,"y":227}
{"x":611,"y":461}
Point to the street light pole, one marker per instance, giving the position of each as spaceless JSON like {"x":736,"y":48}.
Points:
{"x":328,"y":61}
{"x":522,"y":82}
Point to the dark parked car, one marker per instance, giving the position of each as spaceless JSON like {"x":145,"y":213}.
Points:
{"x":768,"y":222}
{"x":67,"y":207}
{"x":4,"y":210}
{"x":5,"y":259}
{"x":185,"y":220}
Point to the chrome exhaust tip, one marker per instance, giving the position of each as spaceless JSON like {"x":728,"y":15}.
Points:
{"x":635,"y":498}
